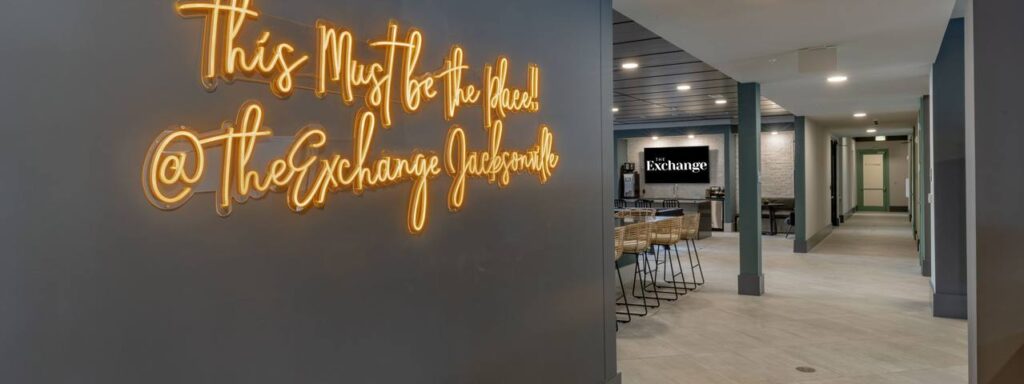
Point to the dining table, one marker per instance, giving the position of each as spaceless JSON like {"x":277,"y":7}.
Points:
{"x":773,"y":228}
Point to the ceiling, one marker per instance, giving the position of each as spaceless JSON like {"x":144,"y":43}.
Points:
{"x":885,"y":47}
{"x":648,"y":93}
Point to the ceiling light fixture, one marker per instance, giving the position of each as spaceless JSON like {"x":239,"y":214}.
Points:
{"x":615,"y":109}
{"x":879,"y":138}
{"x":630,"y":65}
{"x":860,"y":114}
{"x":683,"y":87}
{"x":721,"y":101}
{"x":775,"y":132}
{"x":837,"y":79}
{"x":872,"y":130}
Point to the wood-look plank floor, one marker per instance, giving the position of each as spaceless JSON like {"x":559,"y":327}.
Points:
{"x":856,"y":309}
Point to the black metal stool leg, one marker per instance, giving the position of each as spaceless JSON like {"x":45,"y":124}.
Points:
{"x":637,"y":277}
{"x":679,"y":286}
{"x":699,"y":268}
{"x":654,"y":282}
{"x":625,"y":302}
{"x":654,"y":279}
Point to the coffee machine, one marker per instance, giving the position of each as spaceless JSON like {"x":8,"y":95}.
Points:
{"x":629,"y":181}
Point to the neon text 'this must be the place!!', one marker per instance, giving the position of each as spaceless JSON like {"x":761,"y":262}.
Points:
{"x":176,"y":162}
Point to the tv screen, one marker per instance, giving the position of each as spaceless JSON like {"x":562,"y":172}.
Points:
{"x":677,"y":165}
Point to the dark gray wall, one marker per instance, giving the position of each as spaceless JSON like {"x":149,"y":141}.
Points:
{"x":922,"y":210}
{"x":950,"y":299}
{"x":995,"y":134}
{"x":97,"y":286}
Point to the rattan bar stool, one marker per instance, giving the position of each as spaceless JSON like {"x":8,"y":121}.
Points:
{"x":664,"y":235}
{"x":691,"y":230}
{"x":620,"y":238}
{"x":637,"y":242}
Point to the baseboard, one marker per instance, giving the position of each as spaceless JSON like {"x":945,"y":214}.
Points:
{"x":950,"y":306}
{"x":751,"y":284}
{"x":804,"y":246}
{"x":615,"y":380}
{"x":898,"y":208}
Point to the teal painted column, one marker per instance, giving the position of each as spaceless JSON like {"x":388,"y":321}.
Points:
{"x":923,"y":188}
{"x":728,"y":206}
{"x":800,"y":185}
{"x":751,"y":278}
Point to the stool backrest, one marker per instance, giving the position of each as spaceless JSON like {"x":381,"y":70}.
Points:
{"x":620,"y":237}
{"x":639,"y":232}
{"x":691,"y":225}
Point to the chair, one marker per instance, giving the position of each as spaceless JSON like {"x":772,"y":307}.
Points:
{"x":637,"y":242}
{"x":645,"y":212}
{"x":691,"y":230}
{"x":790,"y":223}
{"x":665,"y":234}
{"x":620,"y":238}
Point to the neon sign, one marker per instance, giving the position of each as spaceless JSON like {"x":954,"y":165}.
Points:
{"x":176,"y":161}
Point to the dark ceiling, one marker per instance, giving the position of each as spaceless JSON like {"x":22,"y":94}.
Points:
{"x":648,"y":93}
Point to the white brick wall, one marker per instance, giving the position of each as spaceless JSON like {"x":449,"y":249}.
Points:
{"x":777,"y":153}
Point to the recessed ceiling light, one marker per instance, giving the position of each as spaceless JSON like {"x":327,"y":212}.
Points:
{"x":615,"y":109}
{"x":654,"y":137}
{"x":721,"y":101}
{"x":775,"y":132}
{"x":879,"y":138}
{"x":683,"y":87}
{"x":872,"y":130}
{"x":860,"y":114}
{"x":691,"y":136}
{"x":837,"y":79}
{"x":630,"y":65}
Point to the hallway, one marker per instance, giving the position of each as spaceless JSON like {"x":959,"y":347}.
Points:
{"x":856,"y":310}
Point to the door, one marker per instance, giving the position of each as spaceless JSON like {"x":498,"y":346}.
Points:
{"x":873,"y":177}
{"x":834,"y":183}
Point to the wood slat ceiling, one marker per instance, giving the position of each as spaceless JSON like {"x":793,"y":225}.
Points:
{"x":649,"y":94}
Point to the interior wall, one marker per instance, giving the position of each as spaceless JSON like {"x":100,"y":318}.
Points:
{"x":98,"y":286}
{"x":995,"y":182}
{"x":777,"y":157}
{"x":899,"y":168}
{"x":818,"y":176}
{"x":948,"y":157}
{"x":849,"y":148}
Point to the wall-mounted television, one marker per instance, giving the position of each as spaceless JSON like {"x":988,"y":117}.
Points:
{"x":677,"y":165}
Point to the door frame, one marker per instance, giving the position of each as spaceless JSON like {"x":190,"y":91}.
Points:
{"x":860,"y":179}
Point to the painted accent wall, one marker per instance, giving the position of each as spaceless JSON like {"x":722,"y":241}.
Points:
{"x":995,"y":183}
{"x":97,"y":286}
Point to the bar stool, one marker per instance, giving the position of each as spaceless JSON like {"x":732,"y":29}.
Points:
{"x":665,"y":235}
{"x":620,"y":238}
{"x":691,"y":230}
{"x":637,"y":243}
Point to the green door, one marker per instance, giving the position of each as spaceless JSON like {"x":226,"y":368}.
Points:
{"x":873,"y":180}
